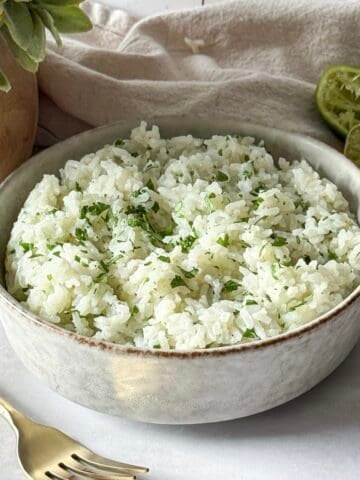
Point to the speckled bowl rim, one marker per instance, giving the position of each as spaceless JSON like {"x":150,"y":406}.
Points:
{"x":13,"y":304}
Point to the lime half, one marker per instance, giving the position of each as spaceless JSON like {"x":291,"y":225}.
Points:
{"x":338,"y":97}
{"x":352,"y":145}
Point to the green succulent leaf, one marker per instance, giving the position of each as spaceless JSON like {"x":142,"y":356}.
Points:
{"x":21,"y":55}
{"x":37,"y":48}
{"x":18,"y":20}
{"x":57,"y":3}
{"x":49,"y":23}
{"x":4,"y":82}
{"x":23,"y":24}
{"x":69,"y":19}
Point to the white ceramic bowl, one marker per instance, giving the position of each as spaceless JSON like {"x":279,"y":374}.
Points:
{"x":172,"y":386}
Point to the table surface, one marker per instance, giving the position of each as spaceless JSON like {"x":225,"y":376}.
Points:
{"x":316,"y":436}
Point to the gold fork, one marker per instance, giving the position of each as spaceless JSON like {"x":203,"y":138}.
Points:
{"x":48,"y":454}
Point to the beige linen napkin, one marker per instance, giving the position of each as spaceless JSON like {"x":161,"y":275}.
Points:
{"x":258,"y":60}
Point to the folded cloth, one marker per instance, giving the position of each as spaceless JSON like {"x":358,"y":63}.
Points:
{"x":256,"y":60}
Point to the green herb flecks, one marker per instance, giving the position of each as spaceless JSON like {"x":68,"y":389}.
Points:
{"x":155,"y":208}
{"x":332,"y":255}
{"x":164,"y":259}
{"x":27,"y":247}
{"x":177,"y":281}
{"x":187,"y":243}
{"x":249,"y":333}
{"x":230,"y":286}
{"x":291,"y":309}
{"x":119,"y":142}
{"x":190,"y":274}
{"x":278,"y":241}
{"x":150,"y":185}
{"x":94,"y":209}
{"x":139,"y":219}
{"x":274,"y":268}
{"x":250,"y":302}
{"x":221,"y":176}
{"x":307,"y":259}
{"x":81,"y":235}
{"x":224,"y":241}
{"x":257,"y":202}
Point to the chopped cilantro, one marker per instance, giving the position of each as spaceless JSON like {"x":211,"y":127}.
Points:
{"x":119,"y":142}
{"x":291,"y":309}
{"x":95,"y":209}
{"x":77,"y":187}
{"x":177,"y":281}
{"x":278,"y":241}
{"x":257,"y":202}
{"x":104,"y":267}
{"x":81,"y":235}
{"x":230,"y":286}
{"x":332,"y":255}
{"x":99,"y":277}
{"x":307,"y":259}
{"x":221,"y":176}
{"x":155,"y":208}
{"x":224,"y":241}
{"x":150,"y":185}
{"x":250,"y":302}
{"x":49,"y":277}
{"x":77,"y":258}
{"x":249,"y":333}
{"x":139,"y":192}
{"x":27,"y":247}
{"x":191,"y":273}
{"x":220,"y":152}
{"x":131,"y":209}
{"x":186,"y":243}
{"x":135,"y":310}
{"x":273,"y":271}
{"x":162,"y":258}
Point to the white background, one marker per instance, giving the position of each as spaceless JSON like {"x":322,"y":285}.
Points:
{"x":316,"y":437}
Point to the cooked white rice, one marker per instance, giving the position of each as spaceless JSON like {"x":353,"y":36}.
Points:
{"x":183,"y":243}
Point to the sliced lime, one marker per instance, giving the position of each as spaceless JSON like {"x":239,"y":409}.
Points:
{"x":352,"y":145}
{"x":338,"y":97}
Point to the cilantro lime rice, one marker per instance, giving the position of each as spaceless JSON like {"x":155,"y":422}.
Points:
{"x":183,"y":243}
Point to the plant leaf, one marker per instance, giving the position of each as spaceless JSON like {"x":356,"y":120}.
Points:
{"x":36,"y":49}
{"x":21,"y":55}
{"x":49,"y":23}
{"x":19,"y":22}
{"x":64,"y":3}
{"x":4,"y":82}
{"x":69,"y":19}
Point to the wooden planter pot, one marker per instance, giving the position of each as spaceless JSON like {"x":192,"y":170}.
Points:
{"x":18,"y":114}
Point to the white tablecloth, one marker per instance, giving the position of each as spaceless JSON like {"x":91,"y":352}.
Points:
{"x":316,"y":437}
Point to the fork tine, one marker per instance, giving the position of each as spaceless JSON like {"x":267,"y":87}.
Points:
{"x":93,"y":475}
{"x":55,"y":476}
{"x":102,"y":463}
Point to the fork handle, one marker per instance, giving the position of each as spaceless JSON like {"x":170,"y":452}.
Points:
{"x":10,"y":414}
